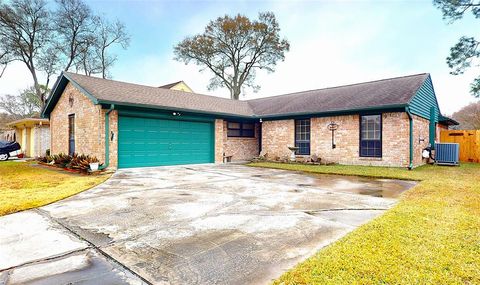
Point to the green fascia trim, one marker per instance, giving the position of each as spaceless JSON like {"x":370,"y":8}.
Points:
{"x":57,"y":91}
{"x":85,"y":92}
{"x":154,"y":109}
{"x":375,"y":109}
{"x":46,"y":108}
{"x":447,"y":120}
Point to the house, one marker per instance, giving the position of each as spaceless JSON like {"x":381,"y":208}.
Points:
{"x":382,"y":123}
{"x":7,"y":134}
{"x":179,"y":85}
{"x":33,"y":135}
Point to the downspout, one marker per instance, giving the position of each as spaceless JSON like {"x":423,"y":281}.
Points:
{"x":107,"y":138}
{"x":410,"y":119}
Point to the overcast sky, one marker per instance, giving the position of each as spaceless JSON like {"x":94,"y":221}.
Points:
{"x":332,"y":43}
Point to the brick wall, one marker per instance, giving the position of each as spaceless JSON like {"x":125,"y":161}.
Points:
{"x":89,"y":126}
{"x":240,"y":148}
{"x":440,"y":127}
{"x":277,"y":135}
{"x":420,"y":139}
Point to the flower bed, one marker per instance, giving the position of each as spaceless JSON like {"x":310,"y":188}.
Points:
{"x":73,"y":163}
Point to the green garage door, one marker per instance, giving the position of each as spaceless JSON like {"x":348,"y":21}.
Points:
{"x":154,"y":142}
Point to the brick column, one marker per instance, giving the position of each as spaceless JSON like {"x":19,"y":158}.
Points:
{"x":219,"y":141}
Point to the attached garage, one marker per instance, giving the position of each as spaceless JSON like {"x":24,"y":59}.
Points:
{"x":144,"y":141}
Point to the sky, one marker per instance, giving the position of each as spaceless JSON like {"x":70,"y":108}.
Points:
{"x":331,"y":43}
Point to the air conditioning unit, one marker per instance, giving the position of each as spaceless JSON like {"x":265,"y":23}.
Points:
{"x":447,"y":153}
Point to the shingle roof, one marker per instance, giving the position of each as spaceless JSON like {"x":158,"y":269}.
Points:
{"x":121,"y":92}
{"x":385,"y":93}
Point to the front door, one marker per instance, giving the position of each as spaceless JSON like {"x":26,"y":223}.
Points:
{"x":71,"y":134}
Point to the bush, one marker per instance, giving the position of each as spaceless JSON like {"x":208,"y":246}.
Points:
{"x":79,"y":162}
{"x":62,"y":159}
{"x":45,"y":159}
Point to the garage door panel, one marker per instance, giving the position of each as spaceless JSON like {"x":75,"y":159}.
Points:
{"x":155,"y":142}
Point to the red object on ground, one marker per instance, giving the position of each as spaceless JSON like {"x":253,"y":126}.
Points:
{"x":20,"y":155}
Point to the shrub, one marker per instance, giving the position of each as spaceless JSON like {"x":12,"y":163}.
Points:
{"x":45,"y":159}
{"x":62,"y":159}
{"x":79,"y":162}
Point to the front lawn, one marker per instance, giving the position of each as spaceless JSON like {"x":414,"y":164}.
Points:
{"x":432,"y":236}
{"x":26,"y":185}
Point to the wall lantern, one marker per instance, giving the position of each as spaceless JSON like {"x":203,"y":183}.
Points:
{"x":333,"y":127}
{"x":71,"y":99}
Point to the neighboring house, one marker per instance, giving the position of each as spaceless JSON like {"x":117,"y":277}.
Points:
{"x":386,"y":123}
{"x":179,"y":85}
{"x":7,"y":134}
{"x":33,"y":135}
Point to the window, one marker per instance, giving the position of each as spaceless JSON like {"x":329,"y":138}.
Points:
{"x":302,"y":136}
{"x":71,"y":134}
{"x":239,"y":129}
{"x":371,"y":136}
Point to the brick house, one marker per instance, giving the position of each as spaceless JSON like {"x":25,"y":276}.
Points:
{"x":383,"y":123}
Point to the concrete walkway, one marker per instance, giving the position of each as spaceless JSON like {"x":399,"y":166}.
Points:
{"x":215,"y":224}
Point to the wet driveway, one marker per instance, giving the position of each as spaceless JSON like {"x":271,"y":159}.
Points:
{"x":200,"y":224}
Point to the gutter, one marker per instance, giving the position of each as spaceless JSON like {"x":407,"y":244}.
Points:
{"x":107,"y":138}
{"x":410,"y":118}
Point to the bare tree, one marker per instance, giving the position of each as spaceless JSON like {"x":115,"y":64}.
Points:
{"x":25,"y":29}
{"x":89,"y":63}
{"x":49,"y":41}
{"x":109,"y":34}
{"x":74,"y":26}
{"x":4,"y":59}
{"x":25,"y":104}
{"x":468,"y":117}
{"x":234,"y":48}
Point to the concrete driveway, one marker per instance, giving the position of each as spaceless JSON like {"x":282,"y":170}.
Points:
{"x":200,"y":224}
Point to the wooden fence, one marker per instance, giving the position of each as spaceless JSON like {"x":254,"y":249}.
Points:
{"x":469,"y":143}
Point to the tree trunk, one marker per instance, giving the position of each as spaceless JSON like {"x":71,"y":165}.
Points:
{"x":38,"y":89}
{"x":235,"y":93}
{"x":104,"y":68}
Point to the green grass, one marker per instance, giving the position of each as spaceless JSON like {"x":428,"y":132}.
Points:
{"x":432,"y":236}
{"x":26,"y":185}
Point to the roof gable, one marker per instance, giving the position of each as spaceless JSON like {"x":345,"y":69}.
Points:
{"x":57,"y":92}
{"x":424,"y":99}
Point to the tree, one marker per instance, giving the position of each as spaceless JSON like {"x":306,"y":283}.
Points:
{"x":25,"y":32}
{"x":109,"y":34}
{"x":468,"y":117}
{"x":89,"y":63}
{"x":4,"y":60}
{"x":51,"y":40}
{"x":466,"y":52}
{"x":25,"y":104}
{"x":75,"y":26}
{"x":233,"y":48}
